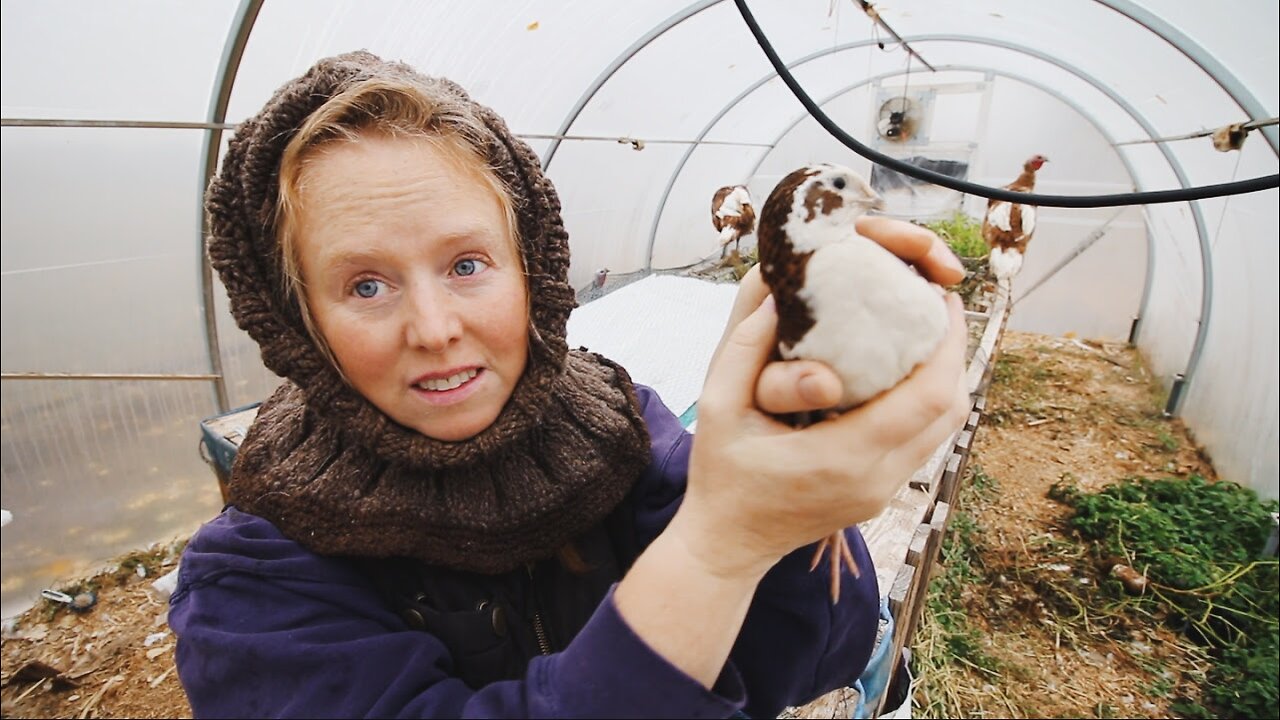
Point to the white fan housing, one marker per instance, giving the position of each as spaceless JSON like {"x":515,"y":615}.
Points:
{"x":898,"y":119}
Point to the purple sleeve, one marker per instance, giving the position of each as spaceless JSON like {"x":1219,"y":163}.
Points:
{"x":267,"y":629}
{"x":795,"y":644}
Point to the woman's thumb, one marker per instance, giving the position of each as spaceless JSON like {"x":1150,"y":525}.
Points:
{"x":743,"y":354}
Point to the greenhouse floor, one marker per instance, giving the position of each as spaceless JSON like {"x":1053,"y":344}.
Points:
{"x":1085,"y":414}
{"x":1094,"y":419}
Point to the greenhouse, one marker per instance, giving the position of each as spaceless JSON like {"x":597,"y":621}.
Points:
{"x":1147,"y":130}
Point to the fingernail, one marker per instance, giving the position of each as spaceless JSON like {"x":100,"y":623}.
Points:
{"x":769,"y":304}
{"x":949,"y":259}
{"x":813,"y":390}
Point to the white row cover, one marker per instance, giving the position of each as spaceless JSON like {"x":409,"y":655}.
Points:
{"x":101,"y":259}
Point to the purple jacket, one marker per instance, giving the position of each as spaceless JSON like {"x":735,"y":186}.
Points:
{"x":267,"y":628}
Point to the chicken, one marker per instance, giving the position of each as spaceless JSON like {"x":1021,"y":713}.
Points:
{"x":1007,"y":226}
{"x":842,"y":299}
{"x":732,"y":215}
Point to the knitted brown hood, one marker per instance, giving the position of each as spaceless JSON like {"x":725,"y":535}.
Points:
{"x":336,"y":474}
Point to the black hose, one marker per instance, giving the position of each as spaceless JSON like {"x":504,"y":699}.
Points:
{"x":1067,"y":201}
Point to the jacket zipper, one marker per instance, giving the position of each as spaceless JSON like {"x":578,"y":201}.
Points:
{"x":543,"y":645}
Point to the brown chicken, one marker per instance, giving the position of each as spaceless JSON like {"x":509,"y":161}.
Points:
{"x":732,"y":215}
{"x":1007,"y":226}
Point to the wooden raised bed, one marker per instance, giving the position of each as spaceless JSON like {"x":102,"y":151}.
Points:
{"x":905,"y":539}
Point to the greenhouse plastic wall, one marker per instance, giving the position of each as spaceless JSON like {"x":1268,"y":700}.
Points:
{"x":101,"y":275}
{"x":101,"y":248}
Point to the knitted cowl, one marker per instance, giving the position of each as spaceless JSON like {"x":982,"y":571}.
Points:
{"x":340,"y":477}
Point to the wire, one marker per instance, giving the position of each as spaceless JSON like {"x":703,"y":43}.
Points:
{"x":1065,"y":201}
{"x":876,"y":20}
{"x":145,"y":124}
{"x":1251,"y":125}
{"x":638,"y":143}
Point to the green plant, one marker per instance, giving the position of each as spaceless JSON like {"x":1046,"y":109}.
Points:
{"x":1198,"y":542}
{"x":748,"y":258}
{"x":1022,"y":381}
{"x":962,"y":233}
{"x":1185,"y":708}
{"x":1160,"y":687}
{"x":948,"y":645}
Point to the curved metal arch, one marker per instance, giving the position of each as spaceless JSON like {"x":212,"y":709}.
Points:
{"x":956,"y":68}
{"x":1216,"y":71}
{"x":232,"y":51}
{"x":688,"y":152}
{"x":1196,"y":53}
{"x":1206,"y":253}
{"x":654,"y":33}
{"x":1148,"y":272}
{"x":1206,"y":303}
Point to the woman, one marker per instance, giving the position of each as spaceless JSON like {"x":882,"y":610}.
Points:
{"x":445,"y":512}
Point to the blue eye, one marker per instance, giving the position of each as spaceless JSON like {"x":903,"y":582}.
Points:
{"x":367,"y":288}
{"x":468,"y":266}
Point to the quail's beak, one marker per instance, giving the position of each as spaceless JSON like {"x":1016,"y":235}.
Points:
{"x":877,"y":203}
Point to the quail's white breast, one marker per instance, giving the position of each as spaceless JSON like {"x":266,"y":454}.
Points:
{"x":875,"y":319}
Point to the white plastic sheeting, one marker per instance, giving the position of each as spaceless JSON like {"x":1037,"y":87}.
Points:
{"x":101,"y":254}
{"x":663,"y":329}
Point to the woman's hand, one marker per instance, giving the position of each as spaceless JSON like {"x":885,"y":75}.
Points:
{"x":759,"y":488}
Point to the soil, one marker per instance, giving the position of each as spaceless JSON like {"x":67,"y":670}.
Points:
{"x":1083,"y":414}
{"x":114,"y":659}
{"x":1059,"y":409}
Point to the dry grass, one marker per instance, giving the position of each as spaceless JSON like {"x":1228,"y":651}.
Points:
{"x":1015,"y":626}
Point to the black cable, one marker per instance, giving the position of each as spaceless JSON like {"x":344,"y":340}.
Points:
{"x":1066,"y":201}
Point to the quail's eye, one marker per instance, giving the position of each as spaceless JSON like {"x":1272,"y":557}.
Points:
{"x":838,"y":183}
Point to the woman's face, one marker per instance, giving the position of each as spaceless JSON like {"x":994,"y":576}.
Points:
{"x":415,"y":282}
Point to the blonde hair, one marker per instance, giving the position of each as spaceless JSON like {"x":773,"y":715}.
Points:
{"x":379,"y":106}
